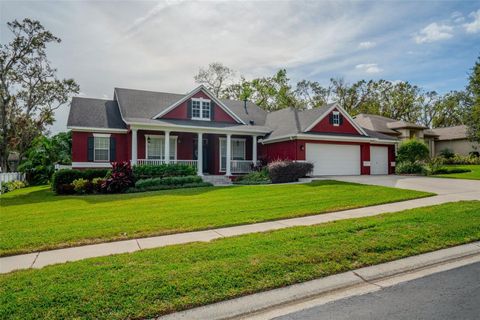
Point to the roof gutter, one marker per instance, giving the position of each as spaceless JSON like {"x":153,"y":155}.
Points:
{"x":328,"y":138}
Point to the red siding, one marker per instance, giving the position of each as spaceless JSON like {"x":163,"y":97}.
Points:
{"x":285,"y":150}
{"x":391,"y":158}
{"x":325,"y":127}
{"x":79,"y":146}
{"x":365,"y":156}
{"x":180,"y":112}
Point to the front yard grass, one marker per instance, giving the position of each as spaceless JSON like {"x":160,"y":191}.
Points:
{"x":35,"y":219}
{"x":474,"y":174}
{"x":152,"y":282}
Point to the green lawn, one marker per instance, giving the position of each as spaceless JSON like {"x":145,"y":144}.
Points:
{"x":473,"y":175}
{"x":35,"y":219}
{"x":158,"y":281}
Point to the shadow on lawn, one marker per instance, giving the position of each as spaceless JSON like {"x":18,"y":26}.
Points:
{"x":47,"y":195}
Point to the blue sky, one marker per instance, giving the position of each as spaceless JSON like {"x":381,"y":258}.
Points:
{"x":161,"y":45}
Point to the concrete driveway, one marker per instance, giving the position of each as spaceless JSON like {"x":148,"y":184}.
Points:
{"x":440,"y":186}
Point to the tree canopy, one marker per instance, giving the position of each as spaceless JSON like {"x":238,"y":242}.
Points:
{"x":30,"y":91}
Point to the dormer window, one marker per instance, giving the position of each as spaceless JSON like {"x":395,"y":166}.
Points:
{"x":336,"y":118}
{"x":201,"y":109}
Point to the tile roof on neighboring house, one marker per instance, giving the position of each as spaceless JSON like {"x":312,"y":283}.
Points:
{"x":451,"y":133}
{"x":95,"y":113}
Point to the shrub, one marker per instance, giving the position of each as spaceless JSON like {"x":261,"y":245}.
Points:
{"x":434,"y":165}
{"x":287,"y":171}
{"x":65,"y":188}
{"x":163,"y":170}
{"x":412,"y":151}
{"x":12,"y":185}
{"x":169,"y":187}
{"x":169,"y":181}
{"x":451,"y":170}
{"x":91,"y":174}
{"x":97,"y":184}
{"x":82,"y":186}
{"x":254,"y":177}
{"x":120,"y":179}
{"x":474,"y":154}
{"x":407,"y":167}
{"x":63,"y":177}
{"x":459,"y":159}
{"x":447,"y":153}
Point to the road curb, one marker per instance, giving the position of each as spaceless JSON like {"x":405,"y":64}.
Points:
{"x":258,"y":302}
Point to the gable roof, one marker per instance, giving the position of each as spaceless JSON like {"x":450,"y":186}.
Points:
{"x":375,"y":123}
{"x":451,"y":133}
{"x":95,"y":113}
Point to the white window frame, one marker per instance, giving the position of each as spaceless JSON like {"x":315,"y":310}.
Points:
{"x":336,"y":118}
{"x":162,"y":139}
{"x":203,"y":107}
{"x":101,"y":135}
{"x":231,"y":150}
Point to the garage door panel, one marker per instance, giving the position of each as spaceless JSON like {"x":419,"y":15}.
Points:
{"x":333,"y":159}
{"x":378,"y":160}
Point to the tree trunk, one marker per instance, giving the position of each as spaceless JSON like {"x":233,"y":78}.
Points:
{"x":3,"y":146}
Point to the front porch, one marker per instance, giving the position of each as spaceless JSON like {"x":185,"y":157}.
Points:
{"x":220,"y":154}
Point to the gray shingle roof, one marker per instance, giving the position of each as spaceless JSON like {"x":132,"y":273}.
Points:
{"x":451,"y":133}
{"x":375,"y":123}
{"x":95,"y":113}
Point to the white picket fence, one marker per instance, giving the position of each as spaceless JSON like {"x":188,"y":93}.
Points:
{"x":11,"y":176}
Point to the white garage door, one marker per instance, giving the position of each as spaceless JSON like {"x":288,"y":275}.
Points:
{"x":378,"y":160}
{"x":333,"y":159}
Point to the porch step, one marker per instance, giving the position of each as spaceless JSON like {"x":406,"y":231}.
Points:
{"x":217,"y":180}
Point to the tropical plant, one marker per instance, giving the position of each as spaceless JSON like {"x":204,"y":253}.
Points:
{"x":412,"y":151}
{"x":120,"y":179}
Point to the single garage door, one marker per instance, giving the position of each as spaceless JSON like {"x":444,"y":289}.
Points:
{"x":333,"y":159}
{"x":378,"y":160}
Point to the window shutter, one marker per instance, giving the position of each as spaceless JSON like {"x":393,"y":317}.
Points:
{"x":189,"y":109}
{"x":113,"y":149}
{"x":340,"y":117}
{"x":330,"y":118}
{"x":90,"y":146}
{"x":212,"y":111}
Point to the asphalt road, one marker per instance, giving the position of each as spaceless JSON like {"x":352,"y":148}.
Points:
{"x":448,"y":295}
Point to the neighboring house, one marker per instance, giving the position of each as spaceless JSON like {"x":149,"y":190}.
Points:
{"x":401,"y":130}
{"x":155,"y":127}
{"x":454,"y":139}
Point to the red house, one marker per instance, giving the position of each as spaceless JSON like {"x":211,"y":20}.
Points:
{"x":147,"y":127}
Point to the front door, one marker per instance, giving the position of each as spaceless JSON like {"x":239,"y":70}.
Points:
{"x":204,"y":154}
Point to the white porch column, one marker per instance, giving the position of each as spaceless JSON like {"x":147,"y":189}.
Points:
{"x":200,"y":154}
{"x":228,"y":171}
{"x":167,"y":147}
{"x":254,"y":150}
{"x":134,"y":146}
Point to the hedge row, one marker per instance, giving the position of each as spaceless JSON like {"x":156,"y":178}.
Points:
{"x":169,"y":187}
{"x":64,"y":177}
{"x":162,"y":171}
{"x":169,"y":181}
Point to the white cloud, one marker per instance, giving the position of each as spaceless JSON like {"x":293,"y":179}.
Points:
{"x":457,"y":17}
{"x":474,"y":26}
{"x":370,"y":68}
{"x":434,"y":32}
{"x":367,"y":45}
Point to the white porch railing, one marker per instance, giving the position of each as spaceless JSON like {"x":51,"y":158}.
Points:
{"x":241,"y":166}
{"x":192,"y":163}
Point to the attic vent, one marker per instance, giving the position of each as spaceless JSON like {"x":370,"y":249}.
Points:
{"x":252,"y":122}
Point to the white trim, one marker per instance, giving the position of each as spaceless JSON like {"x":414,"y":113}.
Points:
{"x":189,"y":95}
{"x":102,"y":135}
{"x":91,"y":129}
{"x":327,"y":138}
{"x":344,"y":113}
{"x":91,"y":165}
{"x":160,"y":136}
{"x":193,"y":129}
{"x":202,"y":101}
{"x":336,"y":113}
{"x":220,"y":139}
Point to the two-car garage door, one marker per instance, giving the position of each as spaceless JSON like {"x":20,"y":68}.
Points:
{"x":333,"y":159}
{"x":343,"y":159}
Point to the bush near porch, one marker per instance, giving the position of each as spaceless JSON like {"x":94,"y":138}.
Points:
{"x":146,"y":171}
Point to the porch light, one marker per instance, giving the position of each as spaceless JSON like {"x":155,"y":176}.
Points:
{"x":302,"y":147}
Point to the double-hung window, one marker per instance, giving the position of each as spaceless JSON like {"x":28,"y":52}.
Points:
{"x":336,"y":118}
{"x":237,"y":151}
{"x":156,"y":147}
{"x":201,"y":109}
{"x":101,"y":150}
